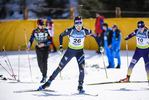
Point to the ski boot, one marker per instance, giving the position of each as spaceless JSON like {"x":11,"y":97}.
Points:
{"x":125,"y":79}
{"x":43,"y":80}
{"x":47,"y":84}
{"x":80,"y":88}
{"x":118,"y":66}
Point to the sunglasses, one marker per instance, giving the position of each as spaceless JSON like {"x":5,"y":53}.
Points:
{"x":140,"y":28}
{"x":78,"y":25}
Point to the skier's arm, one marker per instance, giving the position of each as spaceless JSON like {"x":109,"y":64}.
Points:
{"x":131,"y":35}
{"x":31,"y":40}
{"x":49,"y":39}
{"x":66,"y":32}
{"x":90,"y":33}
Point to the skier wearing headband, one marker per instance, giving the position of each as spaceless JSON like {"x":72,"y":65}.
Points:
{"x":76,"y":34}
{"x":142,"y":49}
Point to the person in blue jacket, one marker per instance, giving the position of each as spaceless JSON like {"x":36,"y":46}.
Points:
{"x":106,"y":40}
{"x":116,"y":44}
{"x":76,"y":34}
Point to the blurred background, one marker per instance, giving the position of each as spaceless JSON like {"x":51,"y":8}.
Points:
{"x":67,"y":9}
{"x":17,"y":15}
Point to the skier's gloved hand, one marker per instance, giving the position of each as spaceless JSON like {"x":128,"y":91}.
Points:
{"x":61,"y":48}
{"x":101,"y":49}
{"x":126,"y":38}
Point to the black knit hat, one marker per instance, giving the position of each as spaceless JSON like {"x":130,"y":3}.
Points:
{"x":78,"y":20}
{"x":40,"y":22}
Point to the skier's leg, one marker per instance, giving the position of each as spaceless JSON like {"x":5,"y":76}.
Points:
{"x":81,"y":64}
{"x":66,"y":58}
{"x":45,"y":60}
{"x":133,"y":62}
{"x":146,"y":61}
{"x":39,"y":59}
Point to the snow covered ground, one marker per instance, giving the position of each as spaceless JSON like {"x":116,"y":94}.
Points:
{"x":67,"y":85}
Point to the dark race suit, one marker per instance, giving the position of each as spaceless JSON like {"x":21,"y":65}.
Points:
{"x":75,"y":49}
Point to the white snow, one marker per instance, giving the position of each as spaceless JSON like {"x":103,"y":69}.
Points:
{"x":67,"y":85}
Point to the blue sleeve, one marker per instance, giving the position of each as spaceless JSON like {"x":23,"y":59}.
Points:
{"x":132,"y":34}
{"x":49,"y":38}
{"x":66,"y":32}
{"x":90,"y":33}
{"x":31,"y":40}
{"x":119,"y":41}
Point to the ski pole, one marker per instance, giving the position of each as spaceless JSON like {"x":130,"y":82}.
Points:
{"x":60,"y":59}
{"x":19,"y":63}
{"x":8,"y":66}
{"x":9,"y":62}
{"x":127,"y":53}
{"x":6,"y":70}
{"x":28,"y":56}
{"x":104,"y":65}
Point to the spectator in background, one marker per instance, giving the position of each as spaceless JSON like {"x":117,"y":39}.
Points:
{"x":116,"y":44}
{"x":106,"y":41}
{"x":98,"y":25}
{"x":50,"y":27}
{"x":42,"y":37}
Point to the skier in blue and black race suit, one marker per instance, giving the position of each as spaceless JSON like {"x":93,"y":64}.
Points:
{"x":106,"y":40}
{"x":116,"y":44}
{"x":142,"y":49}
{"x":42,"y":37}
{"x":76,"y":34}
